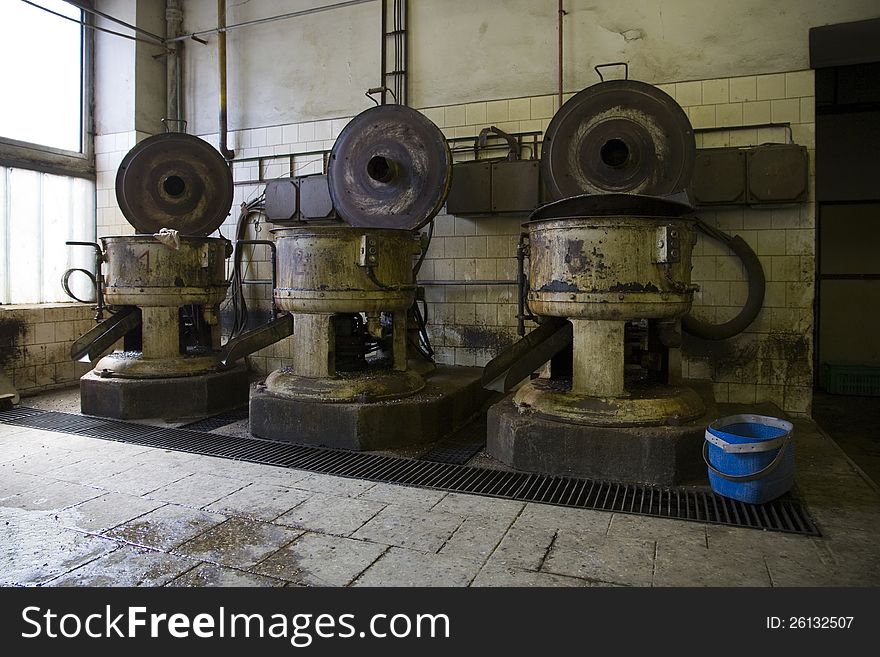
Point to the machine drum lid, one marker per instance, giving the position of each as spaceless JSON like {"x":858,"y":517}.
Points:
{"x":618,"y":136}
{"x":390,"y":168}
{"x":174,"y":180}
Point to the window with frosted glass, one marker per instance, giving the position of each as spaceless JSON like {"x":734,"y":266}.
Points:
{"x":39,"y":212}
{"x":41,"y":74}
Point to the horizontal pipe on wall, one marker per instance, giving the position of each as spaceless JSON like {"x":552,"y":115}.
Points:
{"x":493,"y":282}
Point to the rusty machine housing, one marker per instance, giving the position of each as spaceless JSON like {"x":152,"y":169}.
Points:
{"x":162,"y":288}
{"x":345,"y":292}
{"x":608,"y":280}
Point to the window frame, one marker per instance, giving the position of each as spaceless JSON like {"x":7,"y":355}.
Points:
{"x":39,"y":157}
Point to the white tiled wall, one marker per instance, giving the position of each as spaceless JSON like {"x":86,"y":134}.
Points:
{"x":35,"y":344}
{"x":109,"y":151}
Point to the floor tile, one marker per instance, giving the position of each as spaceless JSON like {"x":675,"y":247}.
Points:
{"x":321,"y":560}
{"x":476,"y":537}
{"x":401,"y":567}
{"x":591,"y":557}
{"x":524,"y":547}
{"x":330,"y":514}
{"x":36,"y":549}
{"x":209,"y":574}
{"x":127,"y":566}
{"x":107,"y":511}
{"x":476,"y":505}
{"x":427,"y":532}
{"x":260,"y":501}
{"x":647,"y":528}
{"x":409,"y":496}
{"x":684,"y":565}
{"x":493,"y":574}
{"x":197,"y":490}
{"x":545,"y":516}
{"x":166,"y":527}
{"x":336,"y":486}
{"x":143,"y":479}
{"x":238,"y":543}
{"x":52,"y":496}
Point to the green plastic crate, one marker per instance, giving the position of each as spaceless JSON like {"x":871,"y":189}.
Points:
{"x":842,"y":379}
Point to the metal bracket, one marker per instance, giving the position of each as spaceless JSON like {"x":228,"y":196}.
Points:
{"x":668,"y":245}
{"x":368,"y":255}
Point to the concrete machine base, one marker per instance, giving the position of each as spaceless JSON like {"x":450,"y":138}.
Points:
{"x":660,"y":455}
{"x":450,"y":398}
{"x":177,"y":397}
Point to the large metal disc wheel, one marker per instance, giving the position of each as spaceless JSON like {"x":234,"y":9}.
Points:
{"x":618,"y":136}
{"x":174,"y":180}
{"x":390,"y":168}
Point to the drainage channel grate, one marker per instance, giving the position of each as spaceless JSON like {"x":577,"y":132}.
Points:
{"x":17,"y":412}
{"x":217,"y":421}
{"x":460,"y":447}
{"x":458,"y":453}
{"x":785,"y":514}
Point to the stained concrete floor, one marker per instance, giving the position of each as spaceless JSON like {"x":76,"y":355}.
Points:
{"x":852,"y":422}
{"x":82,"y":511}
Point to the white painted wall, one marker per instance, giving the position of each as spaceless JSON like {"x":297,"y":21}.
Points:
{"x":129,"y":78}
{"x":114,"y":71}
{"x":319,"y":66}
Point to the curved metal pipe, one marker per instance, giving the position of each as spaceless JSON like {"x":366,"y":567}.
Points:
{"x":221,"y":63}
{"x":754,"y":301}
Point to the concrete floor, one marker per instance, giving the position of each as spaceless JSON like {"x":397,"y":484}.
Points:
{"x":82,"y":511}
{"x":852,"y":422}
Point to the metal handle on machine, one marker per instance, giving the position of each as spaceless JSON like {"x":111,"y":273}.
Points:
{"x":610,"y":64}
{"x":98,"y":279}
{"x":512,"y":144}
{"x":237,"y":263}
{"x":178,"y":122}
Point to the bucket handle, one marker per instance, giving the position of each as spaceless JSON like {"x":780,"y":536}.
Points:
{"x":763,"y":472}
{"x":745,"y":448}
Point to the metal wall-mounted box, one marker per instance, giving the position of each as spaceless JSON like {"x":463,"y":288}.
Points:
{"x":720,"y":176}
{"x":494,"y":186}
{"x":771,"y":173}
{"x":282,"y":200}
{"x":471,"y":191}
{"x":777,"y":173}
{"x":314,"y":197}
{"x":515,"y":185}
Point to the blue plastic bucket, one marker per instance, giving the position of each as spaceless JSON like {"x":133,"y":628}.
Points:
{"x":750,"y":457}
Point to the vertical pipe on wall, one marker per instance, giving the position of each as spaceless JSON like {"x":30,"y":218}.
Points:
{"x":173,"y":28}
{"x":404,"y":59}
{"x":221,"y":63}
{"x":561,"y":12}
{"x":384,"y":50}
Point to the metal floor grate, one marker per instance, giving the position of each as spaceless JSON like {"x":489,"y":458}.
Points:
{"x":785,"y":514}
{"x":18,"y":412}
{"x":217,"y":421}
{"x":459,"y":453}
{"x":461,"y":446}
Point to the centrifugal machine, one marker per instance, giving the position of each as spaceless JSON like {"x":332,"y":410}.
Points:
{"x":162,"y":288}
{"x":608,"y":280}
{"x":346,"y":291}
